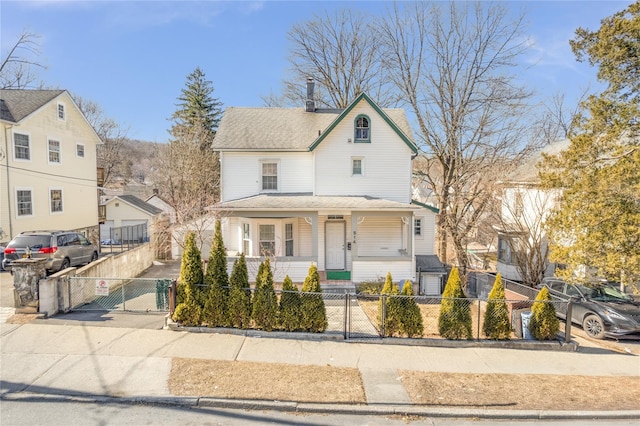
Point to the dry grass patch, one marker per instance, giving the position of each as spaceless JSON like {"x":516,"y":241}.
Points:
{"x":23,"y":318}
{"x":253,"y":380}
{"x":523,"y":391}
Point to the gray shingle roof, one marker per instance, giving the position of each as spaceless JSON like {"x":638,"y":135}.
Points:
{"x":16,"y":104}
{"x":429,"y":263}
{"x":142,"y":205}
{"x":308,"y":202}
{"x":281,"y":129}
{"x":528,"y":172}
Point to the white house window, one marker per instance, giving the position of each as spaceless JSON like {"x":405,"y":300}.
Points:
{"x":288,"y":239}
{"x":80,"y":150}
{"x":363,"y":130}
{"x":61,"y":112}
{"x":357,"y":166}
{"x":417,"y":227}
{"x":54,"y":151}
{"x":55,"y":196}
{"x":21,"y":147}
{"x":270,"y":176}
{"x":246,"y":239}
{"x":24,"y":202}
{"x":267,"y":240}
{"x":504,"y":250}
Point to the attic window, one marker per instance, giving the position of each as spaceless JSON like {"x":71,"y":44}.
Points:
{"x":61,"y":112}
{"x":362,"y":129}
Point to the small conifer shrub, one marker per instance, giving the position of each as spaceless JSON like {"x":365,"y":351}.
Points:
{"x":314,"y":315}
{"x":543,"y":325}
{"x":265,"y":301}
{"x":191,"y":275}
{"x":290,"y":312}
{"x":454,"y":321}
{"x":496,"y":324}
{"x":188,"y":313}
{"x":389,"y":307}
{"x":411,"y":317}
{"x":239,"y":305}
{"x":217,"y":282}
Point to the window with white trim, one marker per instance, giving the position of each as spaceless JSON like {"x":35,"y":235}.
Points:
{"x":54,"y":151}
{"x":24,"y":202}
{"x":357,"y":166}
{"x":362,"y":129}
{"x":417,"y":227}
{"x":61,"y":112}
{"x":246,"y":239}
{"x":55,"y":200}
{"x":288,"y":239}
{"x":269,"y":175}
{"x":267,"y":240}
{"x":80,"y":150}
{"x":21,"y":147}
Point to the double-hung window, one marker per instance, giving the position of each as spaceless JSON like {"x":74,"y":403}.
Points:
{"x":417,"y":227}
{"x":61,"y":112}
{"x":54,"y":151}
{"x":288,"y":239}
{"x":24,"y":202}
{"x":55,"y":200}
{"x":362,"y":129}
{"x":80,"y":150}
{"x":246,"y":239}
{"x":21,"y":147}
{"x":267,"y":240}
{"x":269,"y":176}
{"x":357,"y":166}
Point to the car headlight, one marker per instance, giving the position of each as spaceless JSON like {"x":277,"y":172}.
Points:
{"x":615,"y":315}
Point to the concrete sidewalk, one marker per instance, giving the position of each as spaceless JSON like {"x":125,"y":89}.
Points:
{"x":105,"y":362}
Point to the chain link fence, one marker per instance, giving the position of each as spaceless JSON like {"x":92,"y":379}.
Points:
{"x":117,"y":294}
{"x":374,"y":316}
{"x":123,"y":238}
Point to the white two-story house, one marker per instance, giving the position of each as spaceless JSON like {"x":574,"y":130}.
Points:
{"x":48,"y":175}
{"x":332,"y":187}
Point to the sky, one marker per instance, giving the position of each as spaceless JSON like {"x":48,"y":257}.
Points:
{"x":133,"y":57}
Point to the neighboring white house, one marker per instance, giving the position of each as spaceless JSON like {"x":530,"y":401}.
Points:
{"x":128,"y":211}
{"x":525,"y":207}
{"x":48,"y":178}
{"x":329,"y":187}
{"x":156,"y":201}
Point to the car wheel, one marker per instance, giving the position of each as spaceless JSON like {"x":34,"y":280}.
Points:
{"x":65,"y":264}
{"x":593,"y":326}
{"x":94,"y":257}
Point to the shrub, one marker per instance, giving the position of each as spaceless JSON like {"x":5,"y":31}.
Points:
{"x":496,"y":325}
{"x":265,"y":301}
{"x":314,"y":315}
{"x":217,"y":280}
{"x":389,"y":307}
{"x":191,"y":276}
{"x":188,"y":313}
{"x":289,"y":314}
{"x":411,"y":317}
{"x":239,"y":305}
{"x":544,"y":325}
{"x":454,"y":321}
{"x":369,"y":287}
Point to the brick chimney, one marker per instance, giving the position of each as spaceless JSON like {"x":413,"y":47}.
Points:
{"x":311,"y":106}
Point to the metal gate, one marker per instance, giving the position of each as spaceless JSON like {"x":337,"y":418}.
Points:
{"x":119,"y":294}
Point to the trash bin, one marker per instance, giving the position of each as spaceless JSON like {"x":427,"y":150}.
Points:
{"x":526,"y":317}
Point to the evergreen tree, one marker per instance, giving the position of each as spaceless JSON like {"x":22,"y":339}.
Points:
{"x":191,"y":276}
{"x":217,"y":281}
{"x":496,"y":325}
{"x":239,"y":307}
{"x":265,"y":301}
{"x":391,"y":306}
{"x":289,"y":313}
{"x":454,"y":321}
{"x":314,"y":315}
{"x":543,"y":325}
{"x":411,"y":317}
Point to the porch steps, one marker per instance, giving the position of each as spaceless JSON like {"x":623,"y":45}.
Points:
{"x":337,"y":287}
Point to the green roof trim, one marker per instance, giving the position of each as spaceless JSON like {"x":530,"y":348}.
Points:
{"x":382,"y":114}
{"x":426,"y":206}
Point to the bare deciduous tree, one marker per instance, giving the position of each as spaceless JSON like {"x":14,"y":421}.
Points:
{"x":18,"y":67}
{"x":340,"y":52}
{"x":451,"y":66}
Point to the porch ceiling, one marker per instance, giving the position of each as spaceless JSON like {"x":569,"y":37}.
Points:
{"x":307,"y":202}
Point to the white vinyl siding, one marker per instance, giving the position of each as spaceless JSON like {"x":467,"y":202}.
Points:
{"x":380,"y":236}
{"x":241,"y":173}
{"x":305,"y":238}
{"x":366,"y":270}
{"x":424,"y":243}
{"x":388,"y":161}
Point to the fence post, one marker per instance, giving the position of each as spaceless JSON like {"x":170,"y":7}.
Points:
{"x":124,"y":308}
{"x":567,"y":321}
{"x":383,"y":316}
{"x":346,"y":314}
{"x":172,"y":297}
{"x":478,"y":335}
